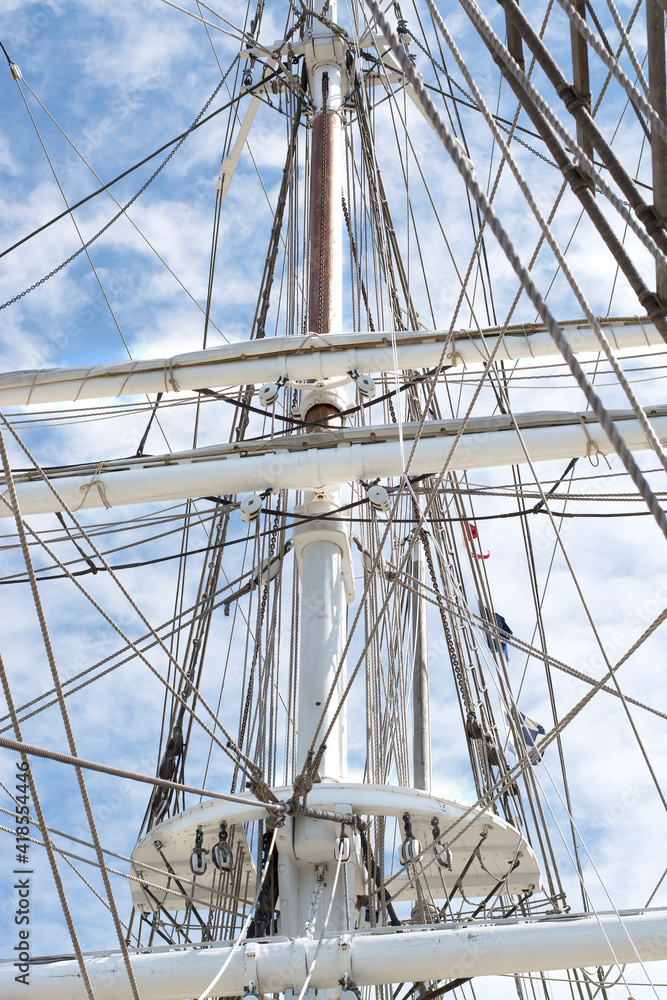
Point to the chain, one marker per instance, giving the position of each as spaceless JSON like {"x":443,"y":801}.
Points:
{"x":122,"y":211}
{"x":324,"y":203}
{"x":355,"y":257}
{"x":266,"y":901}
{"x":471,"y":99}
{"x":307,"y":12}
{"x":456,"y":666}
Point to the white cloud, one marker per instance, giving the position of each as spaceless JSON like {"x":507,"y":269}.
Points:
{"x":121,"y":79}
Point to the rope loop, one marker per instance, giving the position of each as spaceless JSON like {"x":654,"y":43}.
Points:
{"x":169,"y":378}
{"x":101,"y":487}
{"x":593,"y":450}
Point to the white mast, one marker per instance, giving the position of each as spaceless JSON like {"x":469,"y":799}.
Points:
{"x":322,"y":547}
{"x":305,"y":844}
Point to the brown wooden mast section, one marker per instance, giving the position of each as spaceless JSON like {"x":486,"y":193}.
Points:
{"x":580,"y":77}
{"x":322,"y":231}
{"x":655,"y":31}
{"x":323,"y":216}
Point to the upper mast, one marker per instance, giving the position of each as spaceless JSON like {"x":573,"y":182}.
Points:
{"x":323,"y":547}
{"x":325,"y":269}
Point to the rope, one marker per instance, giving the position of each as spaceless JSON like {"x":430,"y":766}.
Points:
{"x":178,"y":618}
{"x":521,"y":272}
{"x":64,"y":713}
{"x":553,"y":328}
{"x":79,"y":762}
{"x":592,"y":446}
{"x":88,"y":861}
{"x":77,"y":840}
{"x":230,"y":749}
{"x":639,"y":411}
{"x":503,"y":783}
{"x":612,"y":64}
{"x":246,"y":923}
{"x":325,"y":924}
{"x":128,"y":204}
{"x":45,"y":834}
{"x":584,"y":119}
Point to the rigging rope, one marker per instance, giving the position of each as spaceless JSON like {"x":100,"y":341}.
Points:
{"x":13,"y":500}
{"x":177,"y":139}
{"x":127,"y":205}
{"x":492,"y":220}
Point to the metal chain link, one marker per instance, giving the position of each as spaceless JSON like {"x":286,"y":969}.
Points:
{"x":468,"y":97}
{"x":122,"y":211}
{"x":456,"y":666}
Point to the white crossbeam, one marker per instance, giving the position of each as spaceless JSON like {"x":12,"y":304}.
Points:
{"x":371,"y":958}
{"x":204,"y":473}
{"x":308,"y":357}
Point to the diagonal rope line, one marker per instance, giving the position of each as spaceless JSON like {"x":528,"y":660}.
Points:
{"x":524,"y":276}
{"x":592,"y":319}
{"x":85,"y":247}
{"x":503,"y":783}
{"x":636,"y":97}
{"x":49,"y":846}
{"x":119,"y":772}
{"x":64,"y":713}
{"x":231,"y":749}
{"x":552,"y":326}
{"x":107,"y":188}
{"x":246,"y":923}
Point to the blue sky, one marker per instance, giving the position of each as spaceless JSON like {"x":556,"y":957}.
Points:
{"x":121,"y":79}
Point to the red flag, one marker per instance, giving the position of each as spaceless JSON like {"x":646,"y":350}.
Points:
{"x":470,"y":534}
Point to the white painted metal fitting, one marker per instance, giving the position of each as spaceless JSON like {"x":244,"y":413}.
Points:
{"x":379,"y":497}
{"x":250,"y":507}
{"x":334,"y":396}
{"x":366,"y":386}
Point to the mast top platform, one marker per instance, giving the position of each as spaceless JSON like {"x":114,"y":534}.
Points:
{"x":463,"y":831}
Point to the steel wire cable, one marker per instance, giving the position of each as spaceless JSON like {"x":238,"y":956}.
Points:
{"x":123,"y":590}
{"x":526,"y":280}
{"x":13,"y":500}
{"x":613,"y":66}
{"x":229,"y":749}
{"x":601,"y":335}
{"x":107,"y":188}
{"x":89,"y":242}
{"x":50,"y":851}
{"x":534,"y":294}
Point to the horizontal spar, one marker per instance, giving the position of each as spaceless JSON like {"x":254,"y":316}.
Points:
{"x":368,"y":959}
{"x":299,"y":462}
{"x":308,"y":357}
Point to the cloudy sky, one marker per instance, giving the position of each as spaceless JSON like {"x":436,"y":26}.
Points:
{"x":104,"y":85}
